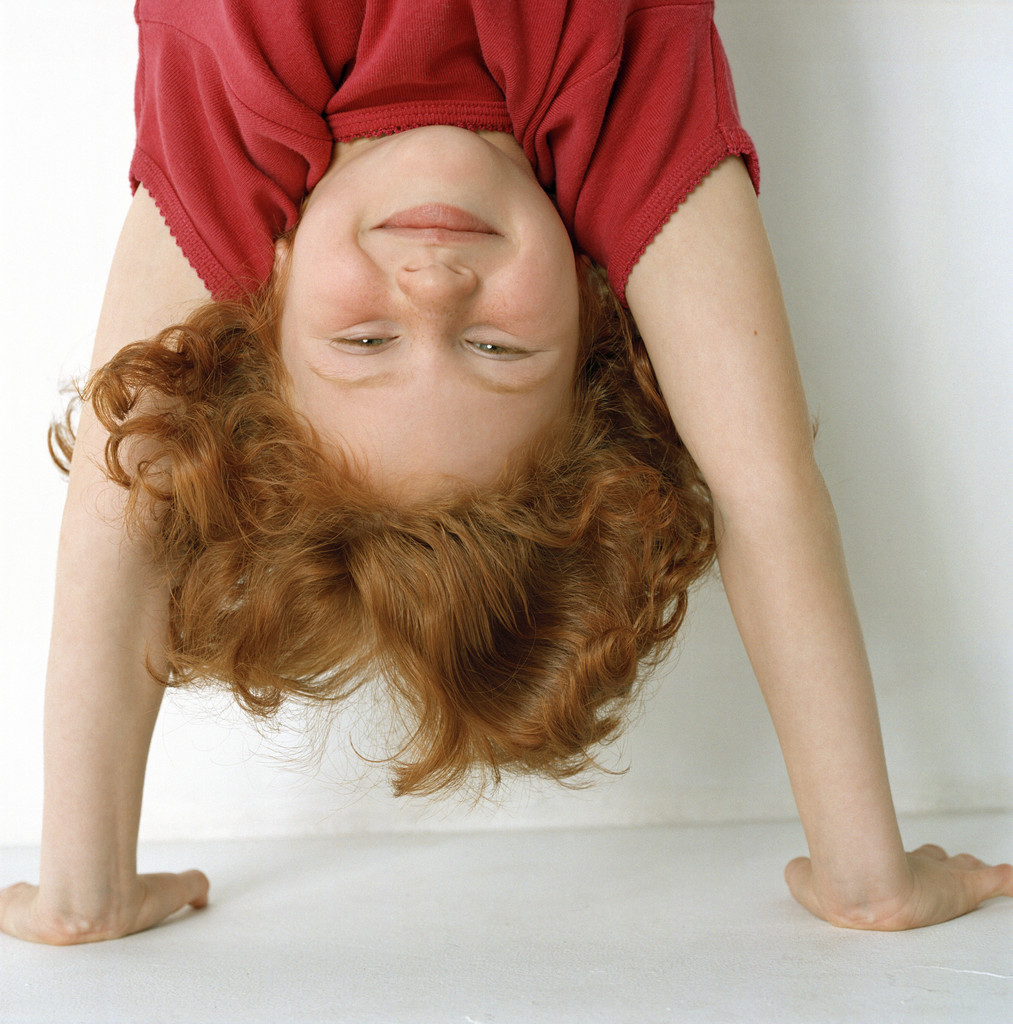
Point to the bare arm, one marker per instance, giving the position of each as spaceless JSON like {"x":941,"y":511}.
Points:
{"x":707,"y":300}
{"x":101,"y":704}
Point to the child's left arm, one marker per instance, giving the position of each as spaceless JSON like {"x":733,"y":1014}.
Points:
{"x":707,"y":301}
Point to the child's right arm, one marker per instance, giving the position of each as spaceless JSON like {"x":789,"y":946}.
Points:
{"x":101,"y":703}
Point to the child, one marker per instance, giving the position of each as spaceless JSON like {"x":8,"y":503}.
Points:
{"x":433,"y":378}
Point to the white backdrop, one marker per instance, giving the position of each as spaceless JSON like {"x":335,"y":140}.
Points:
{"x":886,"y":139}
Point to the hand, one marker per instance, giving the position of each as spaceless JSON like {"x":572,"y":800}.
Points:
{"x":939,"y":888}
{"x":24,"y":914}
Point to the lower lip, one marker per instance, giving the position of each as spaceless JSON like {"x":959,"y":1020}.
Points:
{"x":438,"y":216}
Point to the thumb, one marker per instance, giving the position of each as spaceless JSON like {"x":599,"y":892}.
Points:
{"x":798,"y":873}
{"x":986,"y":882}
{"x":167,"y":893}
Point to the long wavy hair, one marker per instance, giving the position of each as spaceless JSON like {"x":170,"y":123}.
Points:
{"x":510,"y":626}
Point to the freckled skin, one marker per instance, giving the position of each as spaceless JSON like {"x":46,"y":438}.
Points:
{"x":430,"y":359}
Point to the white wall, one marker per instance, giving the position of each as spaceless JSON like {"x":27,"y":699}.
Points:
{"x":886,"y":140}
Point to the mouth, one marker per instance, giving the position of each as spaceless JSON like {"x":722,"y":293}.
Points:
{"x":437,"y":218}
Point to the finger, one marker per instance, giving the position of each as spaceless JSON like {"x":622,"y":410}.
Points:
{"x":199,"y":888}
{"x":986,"y":882}
{"x":966,"y":860}
{"x":166,"y":893}
{"x":12,"y":899}
{"x":798,"y":873}
{"x":931,"y":850}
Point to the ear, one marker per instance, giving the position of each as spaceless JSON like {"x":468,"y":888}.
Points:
{"x":585,"y":265}
{"x":280,"y":269}
{"x":282,"y":248}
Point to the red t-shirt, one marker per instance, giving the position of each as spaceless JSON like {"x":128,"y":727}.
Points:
{"x":622,"y":107}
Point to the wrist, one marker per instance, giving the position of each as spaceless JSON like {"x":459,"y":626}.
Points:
{"x":69,"y":914}
{"x":86,"y":881}
{"x":864,"y":898}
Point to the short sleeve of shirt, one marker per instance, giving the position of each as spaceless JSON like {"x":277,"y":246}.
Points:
{"x":230,"y":132}
{"x":670,"y":117}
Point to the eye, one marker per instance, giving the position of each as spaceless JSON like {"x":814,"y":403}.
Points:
{"x":361,"y":343}
{"x":489,"y":348}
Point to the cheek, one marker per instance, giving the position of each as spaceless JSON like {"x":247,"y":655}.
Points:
{"x":330,"y":280}
{"x":559,"y":267}
{"x":545,"y":288}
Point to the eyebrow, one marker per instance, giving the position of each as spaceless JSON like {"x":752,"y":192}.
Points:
{"x":385,"y":377}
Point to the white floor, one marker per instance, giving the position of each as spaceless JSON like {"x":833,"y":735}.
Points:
{"x":625,"y":925}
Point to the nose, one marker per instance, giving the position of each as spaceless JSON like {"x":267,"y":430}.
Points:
{"x":433,"y":281}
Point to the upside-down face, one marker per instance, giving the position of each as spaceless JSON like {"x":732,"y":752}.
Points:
{"x":431,"y":308}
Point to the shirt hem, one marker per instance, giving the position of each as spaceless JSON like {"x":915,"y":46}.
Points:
{"x":390,"y":119}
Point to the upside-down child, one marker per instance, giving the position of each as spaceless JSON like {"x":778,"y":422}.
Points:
{"x":466,"y":357}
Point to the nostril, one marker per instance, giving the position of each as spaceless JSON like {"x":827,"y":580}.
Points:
{"x":438,"y":276}
{"x":437,"y":265}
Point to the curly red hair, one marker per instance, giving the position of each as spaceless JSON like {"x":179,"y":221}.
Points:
{"x":510,"y":625}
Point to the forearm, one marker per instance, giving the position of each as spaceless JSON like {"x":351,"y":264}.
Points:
{"x":707,"y":301}
{"x":706,"y":298}
{"x":101,"y":706}
{"x":783,"y":569}
{"x":109,"y":619}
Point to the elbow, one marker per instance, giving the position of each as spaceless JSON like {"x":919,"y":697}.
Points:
{"x":770,"y":494}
